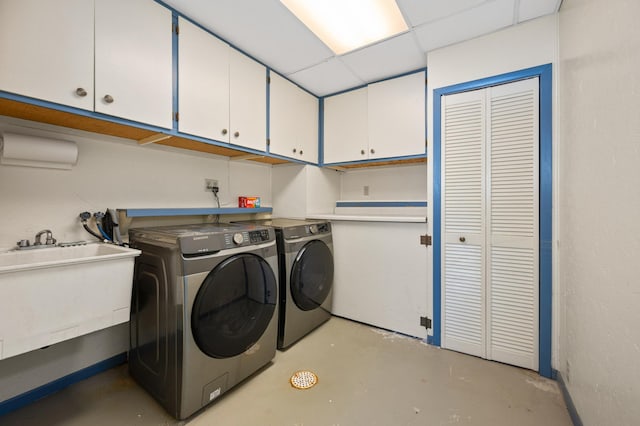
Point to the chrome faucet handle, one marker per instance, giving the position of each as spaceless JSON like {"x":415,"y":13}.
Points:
{"x":23,"y":243}
{"x":37,"y":241}
{"x":50,"y":240}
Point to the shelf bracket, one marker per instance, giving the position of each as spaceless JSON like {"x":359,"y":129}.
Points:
{"x":153,"y":138}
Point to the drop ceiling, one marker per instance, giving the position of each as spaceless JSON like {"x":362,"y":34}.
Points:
{"x":266,"y":30}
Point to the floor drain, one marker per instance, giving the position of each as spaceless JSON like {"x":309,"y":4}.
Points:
{"x":303,"y":380}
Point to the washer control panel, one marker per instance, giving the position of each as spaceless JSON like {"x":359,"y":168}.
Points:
{"x":243,"y":238}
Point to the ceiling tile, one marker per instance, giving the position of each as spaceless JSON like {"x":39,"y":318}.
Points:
{"x":326,"y":78}
{"x":392,"y":57}
{"x":484,"y":19}
{"x":264,"y":29}
{"x":530,"y":9}
{"x":421,"y":12}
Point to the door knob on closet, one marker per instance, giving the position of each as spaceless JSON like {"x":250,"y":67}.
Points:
{"x":81,"y":92}
{"x":108,"y":99}
{"x":463,"y":239}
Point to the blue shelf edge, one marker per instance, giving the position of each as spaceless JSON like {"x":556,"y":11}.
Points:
{"x":193,"y":211}
{"x":381,"y":204}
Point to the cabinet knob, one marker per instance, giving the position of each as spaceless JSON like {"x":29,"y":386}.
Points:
{"x":362,"y":151}
{"x":236,"y":134}
{"x":225,"y":131}
{"x":462,"y":239}
{"x":295,"y":150}
{"x":373,"y":151}
{"x":81,"y":92}
{"x":108,"y":99}
{"x":301,"y":152}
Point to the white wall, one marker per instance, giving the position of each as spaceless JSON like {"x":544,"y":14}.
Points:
{"x":403,"y":182}
{"x":599,"y":209}
{"x":302,"y":190}
{"x":526,"y":45}
{"x":113,"y":173}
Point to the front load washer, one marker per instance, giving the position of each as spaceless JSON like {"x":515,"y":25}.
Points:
{"x":305,"y":259}
{"x":203,"y":311}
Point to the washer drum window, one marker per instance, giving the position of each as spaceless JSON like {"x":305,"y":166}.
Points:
{"x":234,"y":306}
{"x":312,"y":275}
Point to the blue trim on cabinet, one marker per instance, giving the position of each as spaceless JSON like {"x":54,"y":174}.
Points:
{"x":381,"y":204}
{"x":321,"y":132}
{"x":376,"y":81}
{"x":175,"y":68}
{"x":192,"y":211}
{"x":33,"y":395}
{"x":267,"y":143}
{"x":377,"y":160}
{"x":544,"y":72}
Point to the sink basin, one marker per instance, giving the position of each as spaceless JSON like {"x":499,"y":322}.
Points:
{"x":19,"y":260}
{"x":48,"y":295}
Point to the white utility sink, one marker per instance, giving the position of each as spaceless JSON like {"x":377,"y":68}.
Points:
{"x":20,"y":260}
{"x":48,"y":295}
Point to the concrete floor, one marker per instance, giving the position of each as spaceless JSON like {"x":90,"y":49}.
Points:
{"x":366,"y":377}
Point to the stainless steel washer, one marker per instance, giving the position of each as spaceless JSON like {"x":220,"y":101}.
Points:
{"x":305,"y":259}
{"x":203,"y":311}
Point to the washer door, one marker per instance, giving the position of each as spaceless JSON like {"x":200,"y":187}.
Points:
{"x":312,"y":275}
{"x":234,"y":306}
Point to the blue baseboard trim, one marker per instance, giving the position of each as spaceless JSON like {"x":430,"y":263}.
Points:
{"x":33,"y":395}
{"x":573,"y":413}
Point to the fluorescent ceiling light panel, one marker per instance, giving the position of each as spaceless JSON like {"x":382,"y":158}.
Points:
{"x":345,"y":25}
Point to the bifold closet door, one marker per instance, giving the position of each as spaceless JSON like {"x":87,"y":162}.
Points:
{"x":490,"y":142}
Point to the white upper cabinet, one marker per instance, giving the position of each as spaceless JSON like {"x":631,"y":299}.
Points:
{"x":383,"y":120}
{"x":46,"y":50}
{"x":222,"y":93}
{"x":293,"y":121}
{"x":133,"y":57}
{"x":203,"y":83}
{"x":345,"y":127}
{"x":397,"y":117}
{"x":247,"y":101}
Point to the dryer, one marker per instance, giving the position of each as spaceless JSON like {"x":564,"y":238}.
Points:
{"x":203,"y":311}
{"x":305,"y":259}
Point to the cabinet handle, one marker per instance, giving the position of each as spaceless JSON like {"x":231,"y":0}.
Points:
{"x":362,"y":151}
{"x":463,"y":239}
{"x":294,"y":150}
{"x":81,"y":92}
{"x":225,"y":131}
{"x":236,"y":134}
{"x":108,"y":99}
{"x":301,"y":152}
{"x":373,"y":151}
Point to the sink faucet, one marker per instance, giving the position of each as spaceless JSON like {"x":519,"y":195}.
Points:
{"x":49,"y":238}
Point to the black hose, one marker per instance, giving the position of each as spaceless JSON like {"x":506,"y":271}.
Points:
{"x":89,"y":230}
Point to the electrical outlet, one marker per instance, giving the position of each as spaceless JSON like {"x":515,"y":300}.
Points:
{"x":209,"y":184}
{"x":365,"y":190}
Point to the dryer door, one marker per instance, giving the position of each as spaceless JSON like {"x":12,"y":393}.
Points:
{"x":312,"y":275}
{"x":234,"y":306}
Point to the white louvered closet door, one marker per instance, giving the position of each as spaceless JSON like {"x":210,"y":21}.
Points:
{"x":490,"y":222}
{"x":463,"y":222}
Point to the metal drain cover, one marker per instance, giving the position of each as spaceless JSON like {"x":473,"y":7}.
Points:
{"x":303,"y":379}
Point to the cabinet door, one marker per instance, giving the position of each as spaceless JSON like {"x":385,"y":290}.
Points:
{"x":345,"y":127}
{"x":46,"y":50}
{"x":293,"y":121}
{"x":397,"y":117}
{"x":248,"y":101}
{"x":133,"y":60}
{"x":203,"y":83}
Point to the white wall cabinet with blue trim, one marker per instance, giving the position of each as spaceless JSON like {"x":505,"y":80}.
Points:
{"x":293,"y":123}
{"x":222,"y":92}
{"x":53,"y":58}
{"x":490,"y":222}
{"x":384,"y":120}
{"x":45,"y":57}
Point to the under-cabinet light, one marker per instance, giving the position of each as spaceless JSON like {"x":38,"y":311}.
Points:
{"x":346,"y":25}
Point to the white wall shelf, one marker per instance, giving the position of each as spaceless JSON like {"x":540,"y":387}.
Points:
{"x":192,"y":211}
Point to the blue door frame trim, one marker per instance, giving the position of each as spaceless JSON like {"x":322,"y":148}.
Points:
{"x":544,"y":72}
